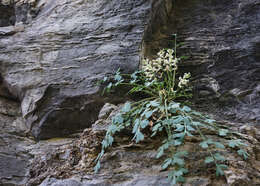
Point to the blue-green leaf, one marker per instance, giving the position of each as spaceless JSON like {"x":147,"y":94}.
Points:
{"x":177,"y":142}
{"x":178,"y":161}
{"x":156,"y":127}
{"x":204,"y":144}
{"x":118,"y":119}
{"x":223,"y":132}
{"x":136,"y":125}
{"x":179,"y":135}
{"x":219,"y":157}
{"x":209,"y":159}
{"x":190,"y":128}
{"x":97,"y":167}
{"x":166,"y":163}
{"x":138,"y":136}
{"x":210,"y":121}
{"x":186,"y":109}
{"x":154,"y":103}
{"x":219,"y":145}
{"x":126,"y":107}
{"x":179,"y":128}
{"x":144,"y":123}
{"x":219,"y":171}
{"x":148,"y":114}
{"x":243,"y":153}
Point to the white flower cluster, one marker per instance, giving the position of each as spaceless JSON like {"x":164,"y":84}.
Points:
{"x":183,"y":81}
{"x":165,"y":61}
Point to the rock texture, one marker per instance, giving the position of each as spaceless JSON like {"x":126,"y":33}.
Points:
{"x":222,"y":42}
{"x":14,"y":157}
{"x":130,"y":164}
{"x":53,"y":64}
{"x":52,"y":54}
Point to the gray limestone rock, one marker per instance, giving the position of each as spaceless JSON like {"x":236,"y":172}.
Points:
{"x":221,"y":39}
{"x":54,"y":64}
{"x":52,"y":54}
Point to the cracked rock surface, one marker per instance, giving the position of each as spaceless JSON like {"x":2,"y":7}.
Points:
{"x":53,"y":53}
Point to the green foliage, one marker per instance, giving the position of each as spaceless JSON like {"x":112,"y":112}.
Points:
{"x":162,"y":111}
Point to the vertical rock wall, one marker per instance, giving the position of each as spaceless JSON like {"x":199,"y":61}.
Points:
{"x":52,"y":62}
{"x":221,"y":39}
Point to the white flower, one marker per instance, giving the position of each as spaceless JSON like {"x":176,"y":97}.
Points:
{"x":160,"y":53}
{"x":183,"y":81}
{"x":186,"y":75}
{"x":170,"y":51}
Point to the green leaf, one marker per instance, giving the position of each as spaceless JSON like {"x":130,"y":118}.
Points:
{"x":177,"y":119}
{"x":112,"y":128}
{"x":138,"y":136}
{"x":223,"y":132}
{"x":195,"y":123}
{"x":104,"y":144}
{"x":179,"y":135}
{"x":177,"y":142}
{"x":118,"y":119}
{"x":144,"y":123}
{"x":219,"y":157}
{"x":219,"y":145}
{"x":136,"y":125}
{"x":100,"y":154}
{"x":189,"y":134}
{"x":154,"y":103}
{"x":105,"y":79}
{"x":190,"y":128}
{"x":117,"y":77}
{"x":219,"y":171}
{"x":148,"y":114}
{"x":161,"y":149}
{"x":126,"y":107}
{"x":156,"y":127}
{"x":204,"y":144}
{"x":179,"y":128}
{"x":174,"y":105}
{"x":232,"y":143}
{"x":210,"y":121}
{"x":243,"y":153}
{"x":186,"y":109}
{"x":180,"y":179}
{"x":209,"y":159}
{"x":236,"y":143}
{"x":166,"y":163}
{"x":181,"y":172}
{"x":110,"y":140}
{"x":187,"y":120}
{"x":97,"y":167}
{"x":160,"y":153}
{"x":171,"y":177}
{"x":197,"y":114}
{"x":178,"y":161}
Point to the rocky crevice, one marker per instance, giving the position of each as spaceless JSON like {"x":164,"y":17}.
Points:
{"x":221,"y":42}
{"x":55,"y":52}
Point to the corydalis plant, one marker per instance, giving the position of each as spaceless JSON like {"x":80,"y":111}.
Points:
{"x":162,"y":110}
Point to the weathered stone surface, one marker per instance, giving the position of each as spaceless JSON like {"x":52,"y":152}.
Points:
{"x":53,"y":52}
{"x":7,"y":14}
{"x":54,"y":64}
{"x":14,"y":157}
{"x":130,"y":164}
{"x":221,"y":40}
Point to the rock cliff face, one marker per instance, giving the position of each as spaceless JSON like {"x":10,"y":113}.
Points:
{"x":53,"y":63}
{"x":221,"y":40}
{"x":53,"y":53}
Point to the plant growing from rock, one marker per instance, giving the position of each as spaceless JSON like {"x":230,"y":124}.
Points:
{"x":163,"y":111}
